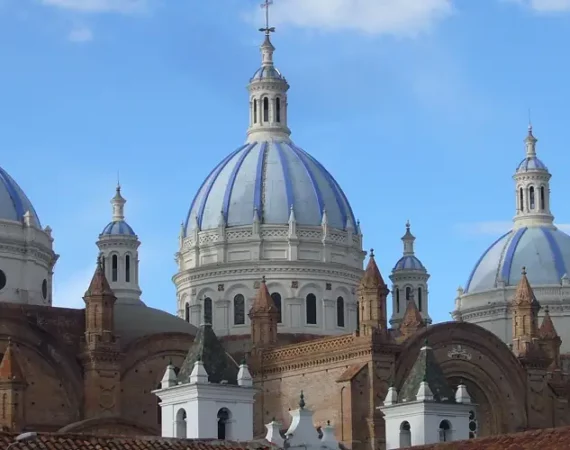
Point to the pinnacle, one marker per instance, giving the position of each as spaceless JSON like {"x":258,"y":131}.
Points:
{"x":372,"y":277}
{"x":524,"y":294}
{"x":99,"y":284}
{"x":412,"y":317}
{"x":547,"y":329}
{"x":263,"y":301}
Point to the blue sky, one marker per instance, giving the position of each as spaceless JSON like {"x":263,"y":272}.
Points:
{"x":418,"y":108}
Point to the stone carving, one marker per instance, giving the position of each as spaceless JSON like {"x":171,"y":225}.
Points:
{"x":328,"y":286}
{"x":221,"y":287}
{"x":458,"y":352}
{"x":294,"y":284}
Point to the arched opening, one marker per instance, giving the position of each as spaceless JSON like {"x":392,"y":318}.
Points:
{"x":187,"y":312}
{"x":255,"y":111}
{"x":408,"y":293}
{"x":276,"y":296}
{"x":223,"y":423}
{"x":542,"y":198}
{"x":277,"y":110}
{"x":340,"y":312}
{"x":311,"y":309}
{"x":128,"y":268}
{"x":358,"y":315}
{"x":266,"y":109}
{"x":521,"y":199}
{"x":208,"y":310}
{"x":397,"y":300}
{"x":181,"y":424}
{"x":473,"y":425}
{"x":445,"y":431}
{"x":420,"y":299}
{"x":114,"y":267}
{"x":405,"y":434}
{"x":531,"y":197}
{"x":239,"y":310}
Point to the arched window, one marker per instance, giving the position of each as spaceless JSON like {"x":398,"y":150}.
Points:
{"x":420,"y":299}
{"x":311,"y":309}
{"x":239,"y":310}
{"x":473,"y":425}
{"x":181,"y":424}
{"x":223,"y":422}
{"x":128,"y":268}
{"x":255,"y":111}
{"x":358,"y":315}
{"x":208,"y":310}
{"x":405,"y":434}
{"x":187,"y":312}
{"x":531,"y":197}
{"x":397,"y":300}
{"x":521,"y":199}
{"x":114,"y":267}
{"x":542,"y":198}
{"x":408,"y":293}
{"x":340,"y":312}
{"x":444,"y":431}
{"x":277,"y":110}
{"x":266,"y":109}
{"x":276,"y":296}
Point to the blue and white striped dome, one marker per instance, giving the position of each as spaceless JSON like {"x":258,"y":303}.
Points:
{"x":270,"y":177}
{"x":544,"y":251}
{"x":409,"y":262}
{"x":13,"y":202}
{"x":531,"y":163}
{"x":118,"y":228}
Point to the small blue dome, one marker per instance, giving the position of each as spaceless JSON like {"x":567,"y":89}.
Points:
{"x":270,"y":177}
{"x":532,"y":163}
{"x":409,"y":262}
{"x":118,"y":227}
{"x":267,"y":72}
{"x":13,"y":202}
{"x":544,"y":251}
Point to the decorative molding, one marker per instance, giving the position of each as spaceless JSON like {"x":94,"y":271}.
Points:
{"x":459,"y":352}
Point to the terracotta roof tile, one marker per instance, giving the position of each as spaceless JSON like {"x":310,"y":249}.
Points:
{"x":9,"y":368}
{"x":546,"y":439}
{"x":64,"y":441}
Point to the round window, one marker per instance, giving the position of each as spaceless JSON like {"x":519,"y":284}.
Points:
{"x":2,"y":279}
{"x":44,"y":289}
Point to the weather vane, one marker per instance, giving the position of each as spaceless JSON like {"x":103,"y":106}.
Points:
{"x":266,"y":4}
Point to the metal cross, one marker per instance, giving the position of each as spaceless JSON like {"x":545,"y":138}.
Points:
{"x":267,"y":28}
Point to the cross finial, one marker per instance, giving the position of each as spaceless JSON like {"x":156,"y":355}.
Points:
{"x":524,"y":270}
{"x":372,"y":253}
{"x":267,"y":30}
{"x":263,"y":279}
{"x":302,"y":400}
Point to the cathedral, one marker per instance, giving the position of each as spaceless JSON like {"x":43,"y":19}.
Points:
{"x":273,"y":294}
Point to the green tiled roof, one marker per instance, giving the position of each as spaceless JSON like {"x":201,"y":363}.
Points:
{"x":208,"y":348}
{"x":426,"y":368}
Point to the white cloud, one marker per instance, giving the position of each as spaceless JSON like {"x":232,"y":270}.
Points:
{"x":80,"y":34}
{"x":495,"y":228}
{"x":397,"y":17}
{"x":68,"y":293}
{"x":100,"y":6}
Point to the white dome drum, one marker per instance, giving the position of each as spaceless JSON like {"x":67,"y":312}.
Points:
{"x":270,"y":209}
{"x":26,"y":254}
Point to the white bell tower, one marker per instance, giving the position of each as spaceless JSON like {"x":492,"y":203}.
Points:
{"x":118,"y":245}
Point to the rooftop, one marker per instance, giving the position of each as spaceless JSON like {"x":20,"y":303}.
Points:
{"x":548,"y":438}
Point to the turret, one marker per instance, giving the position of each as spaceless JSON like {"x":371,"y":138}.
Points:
{"x":12,"y":390}
{"x":372,"y":294}
{"x":264,"y":317}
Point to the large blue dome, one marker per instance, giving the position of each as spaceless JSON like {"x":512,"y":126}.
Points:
{"x":270,"y":176}
{"x":544,"y":251}
{"x":13,"y":202}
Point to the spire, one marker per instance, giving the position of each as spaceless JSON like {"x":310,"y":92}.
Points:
{"x":99,"y":284}
{"x":547,"y":329}
{"x":268,"y":93}
{"x":372,"y":277}
{"x":118,"y":203}
{"x":412,"y":320}
{"x":530,"y":142}
{"x":408,"y":240}
{"x":263,"y":301}
{"x":9,"y":368}
{"x":524,"y":295}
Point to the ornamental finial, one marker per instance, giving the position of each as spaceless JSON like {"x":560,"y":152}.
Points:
{"x":302,"y":400}
{"x":267,"y":30}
